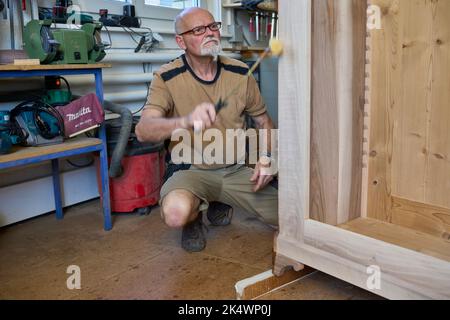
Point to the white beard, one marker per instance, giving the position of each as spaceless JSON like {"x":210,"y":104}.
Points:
{"x":213,"y":50}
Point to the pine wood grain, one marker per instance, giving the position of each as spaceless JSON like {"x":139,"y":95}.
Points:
{"x":409,"y":111}
{"x":338,"y":44}
{"x":400,"y":236}
{"x":426,"y":218}
{"x":294,"y":116}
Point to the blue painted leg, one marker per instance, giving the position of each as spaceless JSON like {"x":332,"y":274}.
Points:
{"x":103,"y":159}
{"x":57,"y":189}
{"x":105,"y":190}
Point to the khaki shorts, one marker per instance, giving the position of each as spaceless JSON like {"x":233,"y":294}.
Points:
{"x":229,"y":185}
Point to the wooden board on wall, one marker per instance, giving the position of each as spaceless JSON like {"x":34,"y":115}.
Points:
{"x":410,"y":115}
{"x":338,"y":72}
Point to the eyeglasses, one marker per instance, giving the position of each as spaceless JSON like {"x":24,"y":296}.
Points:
{"x":198,"y":31}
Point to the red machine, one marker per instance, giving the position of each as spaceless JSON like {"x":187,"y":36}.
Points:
{"x":143,"y":165}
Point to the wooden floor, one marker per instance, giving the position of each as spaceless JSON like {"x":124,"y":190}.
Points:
{"x":141,"y":259}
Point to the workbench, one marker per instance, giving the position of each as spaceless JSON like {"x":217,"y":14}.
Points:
{"x":30,"y":155}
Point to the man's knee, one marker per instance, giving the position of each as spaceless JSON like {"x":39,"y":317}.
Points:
{"x":178,"y":207}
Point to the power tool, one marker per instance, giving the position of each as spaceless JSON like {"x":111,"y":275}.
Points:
{"x":128,"y":19}
{"x":63,"y":46}
{"x":54,"y":94}
{"x":40,"y":123}
{"x":5,"y":138}
{"x":10,"y":133}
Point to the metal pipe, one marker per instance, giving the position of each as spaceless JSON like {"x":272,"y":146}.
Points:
{"x":126,"y":96}
{"x":142,"y":57}
{"x":22,"y":24}
{"x":11,"y":25}
{"x":151,"y":57}
{"x":113,"y":79}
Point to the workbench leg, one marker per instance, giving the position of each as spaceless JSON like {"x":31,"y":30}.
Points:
{"x":103,"y":158}
{"x":105,"y":190}
{"x":57,"y":189}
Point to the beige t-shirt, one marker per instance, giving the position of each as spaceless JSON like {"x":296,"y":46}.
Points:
{"x":176,"y":91}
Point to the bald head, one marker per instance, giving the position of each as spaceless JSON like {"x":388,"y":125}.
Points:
{"x":187,"y":18}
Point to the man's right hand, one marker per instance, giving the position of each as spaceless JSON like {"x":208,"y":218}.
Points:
{"x":202,"y":117}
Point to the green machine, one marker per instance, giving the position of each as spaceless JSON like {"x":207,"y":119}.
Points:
{"x":63,"y":46}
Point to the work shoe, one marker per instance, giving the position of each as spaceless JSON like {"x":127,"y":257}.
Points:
{"x":219,"y":214}
{"x":193,"y":236}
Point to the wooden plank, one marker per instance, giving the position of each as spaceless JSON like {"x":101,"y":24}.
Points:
{"x":347,"y":270}
{"x":437,"y":184}
{"x":401,"y":236}
{"x":338,"y":44}
{"x":283,"y":264}
{"x":422,"y":217}
{"x":359,"y":19}
{"x":8,"y":56}
{"x":27,"y":62}
{"x":411,"y":99}
{"x":405,"y":274}
{"x":324,"y":115}
{"x":12,"y":67}
{"x":384,"y":57}
{"x":294,"y":116}
{"x":266,"y":282}
{"x":21,"y":153}
{"x":410,"y":89}
{"x":366,"y":128}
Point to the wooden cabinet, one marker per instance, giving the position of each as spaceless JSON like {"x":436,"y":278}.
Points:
{"x":365,"y":144}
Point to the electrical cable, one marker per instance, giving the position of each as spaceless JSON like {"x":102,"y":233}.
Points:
{"x":67,"y":84}
{"x":110,"y":40}
{"x":37,"y":107}
{"x":148,"y":90}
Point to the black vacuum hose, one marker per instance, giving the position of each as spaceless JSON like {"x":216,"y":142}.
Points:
{"x":115,"y":168}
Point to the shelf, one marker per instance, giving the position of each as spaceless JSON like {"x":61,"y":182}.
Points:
{"x":12,"y":67}
{"x":400,"y":236}
{"x":246,"y":49}
{"x":23,"y":153}
{"x":238,"y":6}
{"x":28,"y":155}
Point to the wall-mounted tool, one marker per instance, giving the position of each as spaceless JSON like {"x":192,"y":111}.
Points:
{"x":257,"y":25}
{"x":251,"y":24}
{"x":63,"y":46}
{"x":272,"y":31}
{"x":128,"y":19}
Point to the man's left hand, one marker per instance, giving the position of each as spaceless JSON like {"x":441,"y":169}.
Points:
{"x":261,"y":177}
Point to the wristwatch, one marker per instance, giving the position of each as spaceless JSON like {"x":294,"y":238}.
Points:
{"x":265,"y":158}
